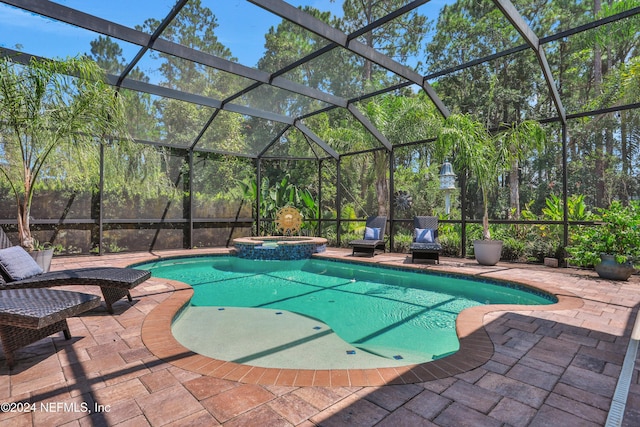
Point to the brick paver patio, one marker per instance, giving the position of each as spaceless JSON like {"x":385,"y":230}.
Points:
{"x":556,"y":366}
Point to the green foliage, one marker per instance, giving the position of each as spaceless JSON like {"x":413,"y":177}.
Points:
{"x":449,"y":237}
{"x":516,"y":144}
{"x":347,"y":237}
{"x":43,"y":106}
{"x":282,"y":193}
{"x":513,"y":249}
{"x":468,"y":142}
{"x":576,"y":208}
{"x":618,"y":233}
{"x":402,"y":241}
{"x":109,"y":246}
{"x":554,"y":211}
{"x":545,"y":240}
{"x":41,"y":246}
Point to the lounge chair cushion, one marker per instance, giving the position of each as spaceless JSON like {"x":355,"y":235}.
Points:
{"x":17,"y":264}
{"x":424,"y":235}
{"x":371,"y":233}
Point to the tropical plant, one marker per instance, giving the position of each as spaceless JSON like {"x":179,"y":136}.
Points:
{"x":545,"y":240}
{"x":282,"y":193}
{"x":46,"y":104}
{"x":618,"y":234}
{"x":468,"y":142}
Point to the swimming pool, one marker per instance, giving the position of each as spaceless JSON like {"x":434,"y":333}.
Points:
{"x":320,"y":314}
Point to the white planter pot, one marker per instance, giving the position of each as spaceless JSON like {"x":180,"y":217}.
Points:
{"x":487,"y":251}
{"x":43,"y":258}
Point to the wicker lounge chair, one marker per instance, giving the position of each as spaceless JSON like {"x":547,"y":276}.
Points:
{"x":29,"y":315}
{"x":371,"y":242}
{"x":114,"y":282}
{"x":425,"y":250}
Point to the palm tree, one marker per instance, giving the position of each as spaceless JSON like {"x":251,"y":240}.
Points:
{"x":472,"y":150}
{"x":45,"y":104}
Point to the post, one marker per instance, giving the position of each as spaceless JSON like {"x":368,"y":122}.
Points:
{"x":319,"y":207}
{"x":463,"y":213}
{"x":190,"y":201}
{"x":565,"y":203}
{"x":101,"y":200}
{"x":338,"y":201}
{"x":258,"y":187}
{"x":391,"y":195}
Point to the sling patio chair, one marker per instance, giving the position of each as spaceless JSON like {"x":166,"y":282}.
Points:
{"x":29,"y":315}
{"x":425,"y":243}
{"x":19,"y":270}
{"x":373,"y":238}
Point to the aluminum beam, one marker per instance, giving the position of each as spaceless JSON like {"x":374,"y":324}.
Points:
{"x":266,"y":115}
{"x":121,"y":32}
{"x":164,"y":24}
{"x":369,"y":126}
{"x":165,"y":92}
{"x":293,"y":14}
{"x":510,"y":12}
{"x":273,"y":141}
{"x":200,"y":100}
{"x":315,"y":138}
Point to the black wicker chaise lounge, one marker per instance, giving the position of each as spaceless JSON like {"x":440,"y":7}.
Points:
{"x":426,"y":245}
{"x":373,"y":238}
{"x":115,"y":282}
{"x":29,"y":315}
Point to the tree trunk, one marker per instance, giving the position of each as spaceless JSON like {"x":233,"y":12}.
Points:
{"x":514,"y":191}
{"x":382,"y":186}
{"x":486,"y":234}
{"x":24,"y":228}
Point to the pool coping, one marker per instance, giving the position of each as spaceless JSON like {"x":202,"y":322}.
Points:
{"x":476,"y":347}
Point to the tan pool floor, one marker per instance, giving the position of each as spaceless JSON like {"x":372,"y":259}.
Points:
{"x":553,"y":366}
{"x":273,"y":339}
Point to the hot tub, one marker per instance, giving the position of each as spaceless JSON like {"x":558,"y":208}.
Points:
{"x":279,"y":247}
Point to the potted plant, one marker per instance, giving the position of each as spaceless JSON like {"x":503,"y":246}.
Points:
{"x":473,"y":151}
{"x":613,"y":246}
{"x":44,"y":104}
{"x":42,"y":254}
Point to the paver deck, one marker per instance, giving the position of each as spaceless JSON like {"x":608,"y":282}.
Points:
{"x":552,"y":366}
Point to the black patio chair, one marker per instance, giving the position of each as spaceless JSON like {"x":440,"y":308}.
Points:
{"x":29,"y":315}
{"x":115,"y":282}
{"x":425,"y":243}
{"x":373,"y":238}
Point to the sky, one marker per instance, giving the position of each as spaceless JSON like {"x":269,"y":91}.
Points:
{"x":242,"y":25}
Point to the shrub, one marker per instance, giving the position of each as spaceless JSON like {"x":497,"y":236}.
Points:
{"x":512,"y":249}
{"x":402,"y":241}
{"x":617,"y":234}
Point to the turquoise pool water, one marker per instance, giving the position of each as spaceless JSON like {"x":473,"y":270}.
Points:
{"x":394,"y":317}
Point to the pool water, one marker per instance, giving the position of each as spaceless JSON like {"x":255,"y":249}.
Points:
{"x":318,"y":309}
